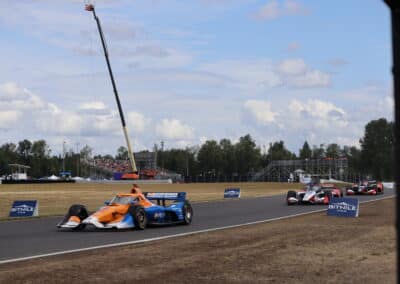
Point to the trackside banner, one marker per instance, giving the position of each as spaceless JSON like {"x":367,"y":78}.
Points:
{"x":25,"y":208}
{"x":232,"y":193}
{"x":344,"y":207}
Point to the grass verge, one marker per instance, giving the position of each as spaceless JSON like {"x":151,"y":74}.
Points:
{"x":55,"y":199}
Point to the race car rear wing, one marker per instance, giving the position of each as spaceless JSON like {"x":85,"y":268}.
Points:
{"x":162,"y":196}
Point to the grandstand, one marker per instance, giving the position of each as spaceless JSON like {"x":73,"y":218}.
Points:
{"x":121,"y":169}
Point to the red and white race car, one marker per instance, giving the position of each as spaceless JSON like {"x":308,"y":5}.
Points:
{"x":371,"y":187}
{"x":314,"y":194}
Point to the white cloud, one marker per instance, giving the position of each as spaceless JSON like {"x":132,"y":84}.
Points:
{"x":255,"y":75}
{"x":261,"y":111}
{"x":37,"y":115}
{"x":9,"y":119}
{"x":56,"y":122}
{"x":310,"y":79}
{"x":9,"y":90}
{"x":296,"y":73}
{"x":13,"y":96}
{"x":174,"y":129}
{"x":318,"y":113}
{"x":138,"y":122}
{"x":92,"y":106}
{"x":274,"y":9}
{"x":292,"y":66}
{"x":245,"y":74}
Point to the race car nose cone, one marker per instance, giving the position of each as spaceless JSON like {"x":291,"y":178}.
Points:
{"x":93,"y":221}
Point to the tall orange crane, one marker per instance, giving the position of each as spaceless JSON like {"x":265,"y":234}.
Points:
{"x":90,"y":8}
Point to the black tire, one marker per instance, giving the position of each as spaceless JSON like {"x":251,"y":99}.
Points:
{"x":290,"y":194}
{"x":379,"y":190}
{"x":187,"y":212}
{"x":341,"y":193}
{"x":139,"y":217}
{"x":79,"y":228}
{"x":79,"y":211}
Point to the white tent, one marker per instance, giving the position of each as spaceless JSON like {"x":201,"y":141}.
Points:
{"x":78,"y":178}
{"x":53,"y":177}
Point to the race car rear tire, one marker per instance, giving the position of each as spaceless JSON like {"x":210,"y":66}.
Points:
{"x":139,"y":217}
{"x":187,"y":212}
{"x":329,"y":194}
{"x":290,"y":194}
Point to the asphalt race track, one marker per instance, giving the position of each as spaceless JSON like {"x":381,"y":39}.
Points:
{"x":19,"y":239}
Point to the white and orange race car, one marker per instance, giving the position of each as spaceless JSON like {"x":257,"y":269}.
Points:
{"x":132,"y":210}
{"x":314,"y":194}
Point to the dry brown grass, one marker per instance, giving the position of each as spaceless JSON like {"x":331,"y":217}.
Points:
{"x":55,"y":199}
{"x":307,"y":249}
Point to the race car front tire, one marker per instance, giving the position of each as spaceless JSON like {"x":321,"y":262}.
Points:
{"x":79,"y":211}
{"x":187,"y":212}
{"x":139,"y":217}
{"x":290,"y":194}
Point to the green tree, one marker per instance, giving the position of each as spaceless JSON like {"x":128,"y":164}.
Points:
{"x":318,"y":152}
{"x":278,"y":151}
{"x":24,"y":149}
{"x":377,"y":148}
{"x":40,"y":149}
{"x":305,"y":152}
{"x":210,"y":157}
{"x":229,"y":163}
{"x":8,"y":155}
{"x":86,"y":152}
{"x":248,"y":155}
{"x":40,"y":156}
{"x":122,"y":153}
{"x":333,"y":151}
{"x":353,"y":155}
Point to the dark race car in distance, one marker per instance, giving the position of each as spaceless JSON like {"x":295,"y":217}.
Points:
{"x":314,"y":194}
{"x":371,"y":187}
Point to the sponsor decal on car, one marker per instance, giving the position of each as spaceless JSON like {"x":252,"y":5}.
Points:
{"x":159,"y":215}
{"x":162,"y":195}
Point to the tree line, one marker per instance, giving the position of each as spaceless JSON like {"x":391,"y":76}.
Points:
{"x":374,"y":157}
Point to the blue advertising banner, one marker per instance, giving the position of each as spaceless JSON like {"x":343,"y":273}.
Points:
{"x":232,"y":193}
{"x":25,"y":208}
{"x":344,"y":207}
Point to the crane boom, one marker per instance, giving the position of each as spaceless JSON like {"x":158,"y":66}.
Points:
{"x":90,"y":7}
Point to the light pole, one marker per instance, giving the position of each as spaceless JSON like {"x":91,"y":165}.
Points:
{"x":63,"y":164}
{"x":78,"y":157}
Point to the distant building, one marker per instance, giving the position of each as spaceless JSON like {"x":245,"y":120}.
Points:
{"x":19,"y":172}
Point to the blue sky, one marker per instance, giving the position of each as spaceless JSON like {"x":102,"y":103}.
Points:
{"x":188,"y":71}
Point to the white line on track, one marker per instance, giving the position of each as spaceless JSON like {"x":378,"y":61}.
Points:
{"x":172,"y":236}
